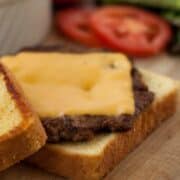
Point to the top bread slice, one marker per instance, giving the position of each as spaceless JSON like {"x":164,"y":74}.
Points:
{"x":21,"y":132}
{"x":94,"y":159}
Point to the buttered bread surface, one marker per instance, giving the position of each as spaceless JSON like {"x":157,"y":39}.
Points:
{"x":74,"y":84}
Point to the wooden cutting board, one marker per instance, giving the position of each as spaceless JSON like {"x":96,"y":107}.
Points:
{"x":157,"y":158}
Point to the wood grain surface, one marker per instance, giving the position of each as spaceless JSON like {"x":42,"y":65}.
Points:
{"x":157,"y":158}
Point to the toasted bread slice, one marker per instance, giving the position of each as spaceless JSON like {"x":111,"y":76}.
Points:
{"x":92,"y":160}
{"x":21,"y":132}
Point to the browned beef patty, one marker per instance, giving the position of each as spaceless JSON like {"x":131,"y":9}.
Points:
{"x":85,"y":127}
{"x":63,"y":46}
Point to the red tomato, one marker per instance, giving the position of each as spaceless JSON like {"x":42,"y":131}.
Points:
{"x":130,"y":30}
{"x":74,"y":23}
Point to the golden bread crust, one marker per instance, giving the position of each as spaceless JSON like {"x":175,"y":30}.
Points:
{"x":29,"y":136}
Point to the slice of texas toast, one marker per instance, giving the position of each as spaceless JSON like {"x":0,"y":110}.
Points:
{"x":94,"y":159}
{"x":21,"y":133}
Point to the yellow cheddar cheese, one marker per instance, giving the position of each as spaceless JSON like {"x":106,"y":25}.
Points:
{"x":75,"y":84}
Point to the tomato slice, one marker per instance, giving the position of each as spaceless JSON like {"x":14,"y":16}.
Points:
{"x":131,"y":30}
{"x":74,"y":23}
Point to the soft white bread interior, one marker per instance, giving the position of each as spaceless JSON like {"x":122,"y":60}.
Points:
{"x":21,"y":132}
{"x":92,"y":160}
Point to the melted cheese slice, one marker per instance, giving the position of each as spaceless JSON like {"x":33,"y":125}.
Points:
{"x":75,"y":84}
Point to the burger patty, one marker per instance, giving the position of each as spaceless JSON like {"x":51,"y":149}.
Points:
{"x":85,"y":127}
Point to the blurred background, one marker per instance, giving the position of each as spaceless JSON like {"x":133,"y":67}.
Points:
{"x":146,"y":30}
